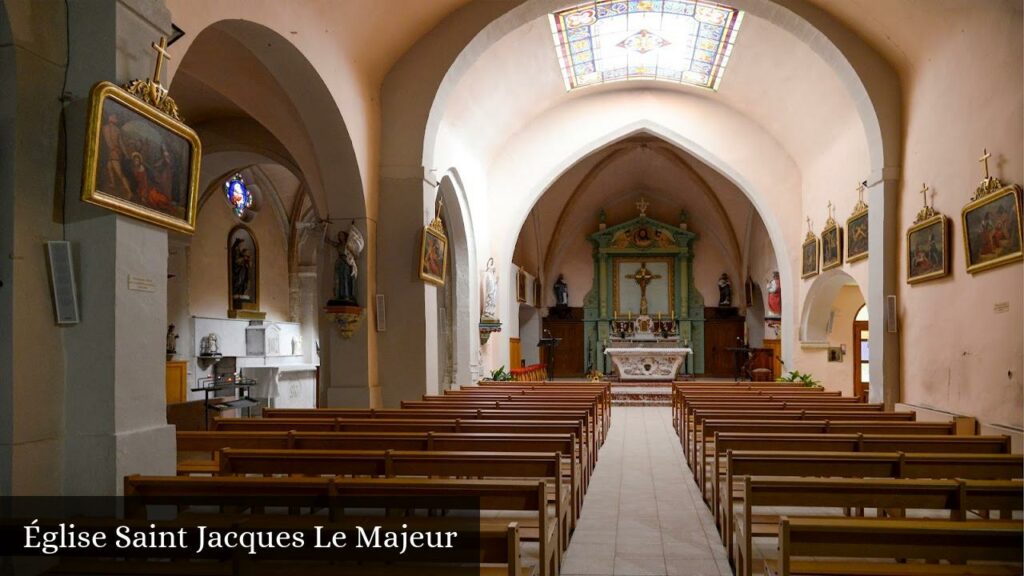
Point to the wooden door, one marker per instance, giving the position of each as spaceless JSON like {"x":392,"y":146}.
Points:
{"x":568,"y":362}
{"x":861,"y":358}
{"x":176,"y":381}
{"x":719,"y":335}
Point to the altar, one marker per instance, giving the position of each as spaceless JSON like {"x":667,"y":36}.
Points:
{"x":647,"y":364}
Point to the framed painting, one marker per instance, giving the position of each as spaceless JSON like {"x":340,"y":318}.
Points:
{"x":243,"y":274}
{"x":992,"y":230}
{"x":520,"y":285}
{"x":536,"y":292}
{"x":857,"y":236}
{"x":433,"y":255}
{"x":809,"y":259}
{"x":139,"y":161}
{"x":928,"y":249}
{"x":831,"y":247}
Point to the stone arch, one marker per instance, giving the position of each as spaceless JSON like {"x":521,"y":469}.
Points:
{"x":462,"y":255}
{"x":535,"y":189}
{"x":870,"y":80}
{"x":816,"y":312}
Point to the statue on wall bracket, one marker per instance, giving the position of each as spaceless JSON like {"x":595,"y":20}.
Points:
{"x":243,"y":274}
{"x":349,"y":245}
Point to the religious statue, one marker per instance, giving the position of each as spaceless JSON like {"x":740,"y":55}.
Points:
{"x":241,"y":266}
{"x":490,"y":292}
{"x":775,"y":294}
{"x":208,"y":345}
{"x":349,"y":246}
{"x":724,"y":290}
{"x":561,"y":292}
{"x":297,"y":345}
{"x":172,"y":340}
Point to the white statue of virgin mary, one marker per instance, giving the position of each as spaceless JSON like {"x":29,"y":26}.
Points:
{"x":490,"y":311}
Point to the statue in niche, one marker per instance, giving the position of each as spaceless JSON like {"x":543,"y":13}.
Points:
{"x":490,"y":311}
{"x":774,"y":287}
{"x":241,"y":270}
{"x":724,"y":290}
{"x":349,"y":246}
{"x":561,"y":292}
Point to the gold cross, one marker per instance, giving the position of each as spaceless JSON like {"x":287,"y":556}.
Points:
{"x":829,"y":208}
{"x":642,"y":206}
{"x":161,"y":53}
{"x":643,"y":277}
{"x":809,"y":229}
{"x":860,"y":191}
{"x":984,"y":158}
{"x":924,"y":193}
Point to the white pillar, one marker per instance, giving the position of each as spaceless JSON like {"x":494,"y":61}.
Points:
{"x":114,"y":405}
{"x":883,"y":281}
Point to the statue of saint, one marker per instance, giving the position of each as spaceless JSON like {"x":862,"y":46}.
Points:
{"x":775,"y":294}
{"x":349,"y":246}
{"x":561,"y":292}
{"x":241,"y":264}
{"x":490,"y":311}
{"x":724,"y":290}
{"x":172,"y":340}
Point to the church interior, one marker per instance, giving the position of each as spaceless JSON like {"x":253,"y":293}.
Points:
{"x":738,"y":284}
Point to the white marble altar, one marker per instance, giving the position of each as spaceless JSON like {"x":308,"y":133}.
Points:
{"x":647,"y":364}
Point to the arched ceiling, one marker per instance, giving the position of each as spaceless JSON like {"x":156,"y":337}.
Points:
{"x":773,"y":78}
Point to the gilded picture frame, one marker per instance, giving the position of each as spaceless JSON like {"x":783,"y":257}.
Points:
{"x":520,"y":286}
{"x":831,"y":247}
{"x":857,"y":235}
{"x":992,"y":230}
{"x":809,"y":257}
{"x":928,"y":249}
{"x":433,"y":256}
{"x":139,"y":161}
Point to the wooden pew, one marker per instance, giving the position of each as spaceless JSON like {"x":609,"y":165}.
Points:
{"x":587,"y":409}
{"x":421,"y":426}
{"x":953,"y":497}
{"x":811,"y":404}
{"x":723,"y":442}
{"x":397,"y":463}
{"x":492,"y":495}
{"x":841,"y":539}
{"x":587,"y":435}
{"x":477,"y":394}
{"x":197,"y":451}
{"x":699,"y":416}
{"x":681,"y":392}
{"x":686,"y":403}
{"x":859,"y":465}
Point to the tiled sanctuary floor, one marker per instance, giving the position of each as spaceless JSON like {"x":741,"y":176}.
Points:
{"x":643,"y":514}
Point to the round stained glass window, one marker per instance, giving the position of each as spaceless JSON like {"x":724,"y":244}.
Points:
{"x":238,"y":195}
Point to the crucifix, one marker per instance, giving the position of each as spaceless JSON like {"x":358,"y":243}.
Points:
{"x":809,"y":229}
{"x":830,"y":210}
{"x":161,"y":53}
{"x":642,"y":204}
{"x":924,"y":193}
{"x":860,"y":192}
{"x":643,"y":277}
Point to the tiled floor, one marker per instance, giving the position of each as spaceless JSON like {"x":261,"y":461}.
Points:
{"x":643,"y":514}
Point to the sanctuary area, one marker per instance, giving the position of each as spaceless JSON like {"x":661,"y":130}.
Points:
{"x":607,"y":286}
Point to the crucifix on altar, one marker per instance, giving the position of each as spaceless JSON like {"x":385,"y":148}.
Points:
{"x":643,"y":277}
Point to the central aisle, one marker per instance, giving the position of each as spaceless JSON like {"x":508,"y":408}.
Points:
{"x":643,"y":514}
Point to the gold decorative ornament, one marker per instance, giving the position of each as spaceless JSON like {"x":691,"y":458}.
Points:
{"x":928,"y":211}
{"x":992,"y":223}
{"x":150,"y":90}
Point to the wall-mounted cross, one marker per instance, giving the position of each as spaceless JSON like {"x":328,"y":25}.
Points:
{"x":830,"y":209}
{"x":860,"y":191}
{"x":984,"y":158}
{"x":642,"y":206}
{"x":809,"y":229}
{"x":643,"y":277}
{"x":161,"y":54}
{"x":924,"y":193}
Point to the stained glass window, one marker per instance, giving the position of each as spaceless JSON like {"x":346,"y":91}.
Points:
{"x":672,"y":40}
{"x":238,"y":195}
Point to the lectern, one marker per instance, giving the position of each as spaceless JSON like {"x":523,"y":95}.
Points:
{"x":549,"y":344}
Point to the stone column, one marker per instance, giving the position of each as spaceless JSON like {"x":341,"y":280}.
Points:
{"x":115,"y":409}
{"x":883,"y":280}
{"x":407,"y":351}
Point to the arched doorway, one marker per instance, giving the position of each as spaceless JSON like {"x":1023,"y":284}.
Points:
{"x":861,"y":354}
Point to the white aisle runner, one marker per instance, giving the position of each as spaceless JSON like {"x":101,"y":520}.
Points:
{"x":643,"y":514}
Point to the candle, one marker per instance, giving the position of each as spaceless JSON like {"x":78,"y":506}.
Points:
{"x":629,"y":315}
